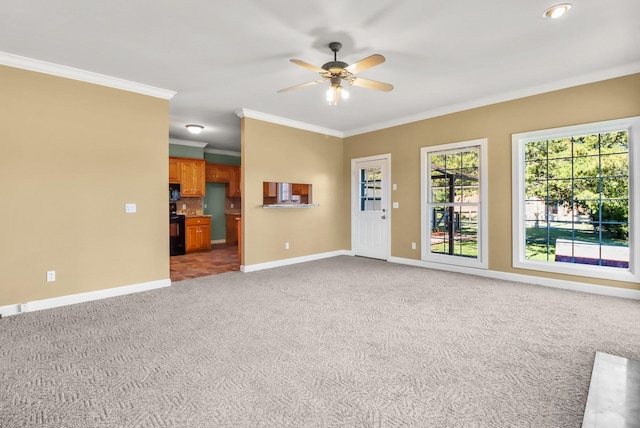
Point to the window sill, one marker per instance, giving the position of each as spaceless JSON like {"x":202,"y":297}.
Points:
{"x":588,"y":271}
{"x":454,"y":260}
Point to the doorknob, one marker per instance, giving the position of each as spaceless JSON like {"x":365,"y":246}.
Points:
{"x":384,"y":217}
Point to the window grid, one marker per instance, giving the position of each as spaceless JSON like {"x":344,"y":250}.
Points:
{"x":453,"y":223}
{"x":371,"y":189}
{"x":599,"y":223}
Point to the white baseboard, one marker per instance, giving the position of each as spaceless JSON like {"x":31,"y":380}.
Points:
{"x":529,"y":279}
{"x":294,"y":260}
{"x":72,"y":299}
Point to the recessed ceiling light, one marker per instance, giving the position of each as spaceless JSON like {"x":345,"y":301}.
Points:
{"x":195,"y":129}
{"x":556,"y":11}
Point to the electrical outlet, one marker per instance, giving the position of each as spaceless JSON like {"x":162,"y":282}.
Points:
{"x":286,"y":245}
{"x":413,"y":245}
{"x":24,"y":307}
{"x":130,"y":208}
{"x":231,"y":205}
{"x":51,"y":275}
{"x":184,"y":206}
{"x":205,"y":206}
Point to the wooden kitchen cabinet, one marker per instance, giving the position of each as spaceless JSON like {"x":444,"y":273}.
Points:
{"x":232,"y":229}
{"x":174,"y":170}
{"x":221,"y":173}
{"x":198,"y":233}
{"x":269,"y":189}
{"x":192,"y":177}
{"x":234,"y":190}
{"x":300,"y":189}
{"x":218,"y":173}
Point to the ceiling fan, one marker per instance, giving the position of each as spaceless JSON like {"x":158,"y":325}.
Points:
{"x":336,"y":71}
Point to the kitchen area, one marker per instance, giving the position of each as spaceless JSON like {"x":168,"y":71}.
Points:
{"x":205,"y":217}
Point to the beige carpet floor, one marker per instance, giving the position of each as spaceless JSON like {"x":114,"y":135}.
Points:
{"x":341,"y":342}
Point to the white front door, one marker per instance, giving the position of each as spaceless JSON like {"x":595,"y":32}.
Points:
{"x":370,"y":206}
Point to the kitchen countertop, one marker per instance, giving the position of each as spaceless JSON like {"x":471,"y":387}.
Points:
{"x":197,"y":215}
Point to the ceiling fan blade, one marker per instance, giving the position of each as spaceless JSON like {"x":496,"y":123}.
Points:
{"x":364,"y":64}
{"x":302,"y":85}
{"x":370,"y":84}
{"x":307,"y":65}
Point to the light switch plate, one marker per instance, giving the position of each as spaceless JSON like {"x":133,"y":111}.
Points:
{"x":130,"y":208}
{"x":396,"y":205}
{"x":395,"y":186}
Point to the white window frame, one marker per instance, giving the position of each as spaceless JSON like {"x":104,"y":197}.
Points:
{"x":482,"y":261}
{"x":518,"y":141}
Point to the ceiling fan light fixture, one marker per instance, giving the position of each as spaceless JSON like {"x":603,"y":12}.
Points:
{"x":195,"y":129}
{"x":335,"y":94}
{"x":338,"y":71}
{"x":557,"y":11}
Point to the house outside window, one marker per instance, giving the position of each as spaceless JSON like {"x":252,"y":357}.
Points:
{"x":371,"y":189}
{"x":575,"y":200}
{"x":454,"y":220}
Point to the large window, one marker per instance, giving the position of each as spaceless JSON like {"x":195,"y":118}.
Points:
{"x":453,"y":208}
{"x":575,"y":202}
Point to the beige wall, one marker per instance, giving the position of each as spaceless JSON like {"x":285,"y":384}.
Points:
{"x":71,"y":155}
{"x":616,"y":98}
{"x":278,"y":153}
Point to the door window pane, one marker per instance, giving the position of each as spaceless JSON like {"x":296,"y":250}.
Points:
{"x":371,"y":189}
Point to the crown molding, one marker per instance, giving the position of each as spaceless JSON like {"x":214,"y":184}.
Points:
{"x":243,"y":112}
{"x":187,"y":143}
{"x":222,"y":152}
{"x":31,"y":64}
{"x":610,"y":73}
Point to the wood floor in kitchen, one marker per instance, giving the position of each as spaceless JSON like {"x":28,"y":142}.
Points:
{"x":221,"y":258}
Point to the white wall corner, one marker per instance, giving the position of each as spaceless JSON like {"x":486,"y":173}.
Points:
{"x":187,"y":143}
{"x":265,"y":117}
{"x":39,"y":66}
{"x":223,"y":152}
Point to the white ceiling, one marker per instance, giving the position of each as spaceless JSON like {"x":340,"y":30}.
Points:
{"x":220,"y":56}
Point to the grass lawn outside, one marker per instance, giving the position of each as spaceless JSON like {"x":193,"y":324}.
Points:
{"x":465,"y":241}
{"x":541,"y":242}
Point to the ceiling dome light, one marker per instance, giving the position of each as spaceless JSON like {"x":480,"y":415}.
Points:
{"x":195,"y":129}
{"x":556,"y":11}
